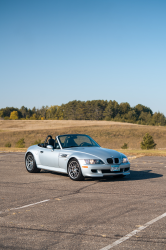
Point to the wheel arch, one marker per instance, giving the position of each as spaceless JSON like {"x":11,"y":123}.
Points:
{"x":71,"y":158}
{"x":78,"y":156}
{"x":33,"y":153}
{"x":80,"y":175}
{"x":33,"y":166}
{"x":28,"y":153}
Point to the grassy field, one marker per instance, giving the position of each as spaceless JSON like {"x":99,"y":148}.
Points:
{"x":108,"y":134}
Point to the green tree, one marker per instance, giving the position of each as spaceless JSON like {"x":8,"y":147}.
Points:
{"x":158,"y":119}
{"x":60,"y":112}
{"x":148,"y":142}
{"x":23,"y":111}
{"x":111,"y":110}
{"x":98,"y":107}
{"x":139,"y":108}
{"x":70,"y":110}
{"x":7,"y":111}
{"x":81,"y":111}
{"x":145,"y":118}
{"x":124,"y":108}
{"x":43,"y":111}
{"x":51,"y":112}
{"x":130,"y":116}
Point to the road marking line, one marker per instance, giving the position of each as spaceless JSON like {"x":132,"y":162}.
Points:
{"x":29,"y":205}
{"x":127,"y":236}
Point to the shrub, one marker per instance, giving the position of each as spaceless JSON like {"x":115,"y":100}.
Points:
{"x":20,"y":143}
{"x":148,"y":142}
{"x":125,"y":146}
{"x":8,"y":145}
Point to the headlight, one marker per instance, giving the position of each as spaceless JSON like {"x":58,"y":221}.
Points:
{"x":93,"y":161}
{"x":125,"y":160}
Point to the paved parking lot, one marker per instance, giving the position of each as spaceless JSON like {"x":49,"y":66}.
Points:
{"x":49,"y":211}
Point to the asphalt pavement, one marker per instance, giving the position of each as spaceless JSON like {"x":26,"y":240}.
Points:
{"x":49,"y":211}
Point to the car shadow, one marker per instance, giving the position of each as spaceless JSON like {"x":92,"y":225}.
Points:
{"x":43,"y":171}
{"x":134,"y":175}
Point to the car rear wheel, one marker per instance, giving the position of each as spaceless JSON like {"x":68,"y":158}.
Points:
{"x":74,"y":170}
{"x":31,"y":164}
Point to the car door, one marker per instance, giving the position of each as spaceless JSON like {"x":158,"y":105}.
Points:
{"x":50,"y":157}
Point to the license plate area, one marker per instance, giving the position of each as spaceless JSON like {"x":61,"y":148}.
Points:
{"x":115,"y":168}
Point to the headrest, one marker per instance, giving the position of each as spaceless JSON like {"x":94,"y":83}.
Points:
{"x":51,"y":142}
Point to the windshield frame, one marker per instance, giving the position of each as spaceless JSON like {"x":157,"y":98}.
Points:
{"x":92,"y":140}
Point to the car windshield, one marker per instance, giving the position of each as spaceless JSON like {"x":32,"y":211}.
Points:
{"x":68,"y":141}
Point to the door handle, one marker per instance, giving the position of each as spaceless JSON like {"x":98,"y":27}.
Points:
{"x":41,"y":151}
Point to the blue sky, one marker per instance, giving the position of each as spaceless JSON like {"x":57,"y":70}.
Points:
{"x":56,"y":51}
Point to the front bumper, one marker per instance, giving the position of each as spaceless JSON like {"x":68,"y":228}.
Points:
{"x":101,"y":170}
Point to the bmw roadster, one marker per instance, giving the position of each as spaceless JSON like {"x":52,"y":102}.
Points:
{"x":77,"y":155}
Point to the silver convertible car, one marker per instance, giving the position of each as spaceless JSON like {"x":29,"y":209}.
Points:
{"x":77,"y":155}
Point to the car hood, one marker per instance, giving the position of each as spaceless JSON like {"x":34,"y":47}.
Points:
{"x":98,"y":152}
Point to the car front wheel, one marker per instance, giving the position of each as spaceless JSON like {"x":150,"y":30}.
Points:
{"x":31,"y":164}
{"x":74,"y":170}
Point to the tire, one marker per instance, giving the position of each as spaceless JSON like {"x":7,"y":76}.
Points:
{"x":30,"y":164}
{"x":74,"y":170}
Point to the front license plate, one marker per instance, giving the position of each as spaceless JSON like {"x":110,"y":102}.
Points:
{"x":113,"y":168}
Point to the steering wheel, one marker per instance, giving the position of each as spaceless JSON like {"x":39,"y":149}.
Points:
{"x":84,"y":144}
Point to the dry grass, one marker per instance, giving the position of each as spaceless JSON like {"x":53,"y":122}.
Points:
{"x":108,"y":134}
{"x":4,"y":149}
{"x":24,"y":125}
{"x":135,"y":152}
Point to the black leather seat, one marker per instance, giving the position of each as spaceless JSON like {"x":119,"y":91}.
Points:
{"x":71,"y":143}
{"x":51,"y":142}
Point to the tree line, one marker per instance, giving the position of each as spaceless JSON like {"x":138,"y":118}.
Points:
{"x":89,"y":110}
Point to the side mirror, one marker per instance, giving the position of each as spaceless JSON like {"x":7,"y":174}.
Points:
{"x":50,"y":147}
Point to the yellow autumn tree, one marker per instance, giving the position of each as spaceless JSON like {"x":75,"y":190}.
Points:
{"x":33,"y":117}
{"x":14,"y":115}
{"x":1,"y":113}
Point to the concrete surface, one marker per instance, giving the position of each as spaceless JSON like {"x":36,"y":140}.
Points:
{"x":90,"y":214}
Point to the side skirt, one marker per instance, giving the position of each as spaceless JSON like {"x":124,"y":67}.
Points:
{"x":61,"y":170}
